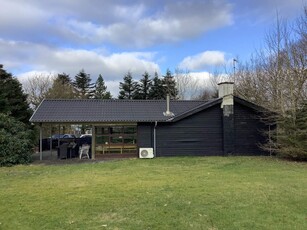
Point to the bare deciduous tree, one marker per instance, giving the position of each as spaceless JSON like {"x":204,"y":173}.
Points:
{"x":188,"y":86}
{"x":36,"y":87}
{"x":276,"y":78}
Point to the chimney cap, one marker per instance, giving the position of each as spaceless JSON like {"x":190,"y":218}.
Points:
{"x":225,"y":89}
{"x":226,"y":82}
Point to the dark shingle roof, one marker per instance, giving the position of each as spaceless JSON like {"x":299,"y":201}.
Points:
{"x":94,"y":110}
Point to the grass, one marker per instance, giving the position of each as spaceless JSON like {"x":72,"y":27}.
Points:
{"x":162,"y":193}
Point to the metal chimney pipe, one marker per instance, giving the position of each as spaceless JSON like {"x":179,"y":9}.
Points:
{"x":167,"y":103}
{"x":168,"y":113}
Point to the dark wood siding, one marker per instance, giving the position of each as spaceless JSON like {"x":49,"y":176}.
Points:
{"x":145,"y":135}
{"x":199,"y":135}
{"x":248,"y":131}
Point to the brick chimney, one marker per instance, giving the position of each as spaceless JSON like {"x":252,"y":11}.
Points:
{"x":226,"y":92}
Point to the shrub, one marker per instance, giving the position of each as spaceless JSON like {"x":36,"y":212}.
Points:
{"x":16,"y":144}
{"x":292,"y":136}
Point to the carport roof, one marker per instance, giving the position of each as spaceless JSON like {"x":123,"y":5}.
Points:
{"x":96,"y":111}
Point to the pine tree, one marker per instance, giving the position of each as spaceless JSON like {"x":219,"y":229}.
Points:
{"x":144,"y":87}
{"x":169,"y":84}
{"x":83,"y":85}
{"x":292,"y":135}
{"x":301,"y":136}
{"x":62,"y":88}
{"x":13,"y":101}
{"x":101,"y":89}
{"x":63,"y":78}
{"x":156,"y":91}
{"x":127,"y":89}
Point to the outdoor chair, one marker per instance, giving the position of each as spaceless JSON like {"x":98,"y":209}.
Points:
{"x":62,"y":151}
{"x":73,"y":149}
{"x":84,"y":151}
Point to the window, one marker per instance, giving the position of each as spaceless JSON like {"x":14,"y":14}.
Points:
{"x":116,"y":138}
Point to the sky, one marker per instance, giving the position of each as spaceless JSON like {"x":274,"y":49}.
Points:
{"x":112,"y":37}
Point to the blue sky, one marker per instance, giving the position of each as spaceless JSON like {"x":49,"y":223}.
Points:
{"x":111,"y":37}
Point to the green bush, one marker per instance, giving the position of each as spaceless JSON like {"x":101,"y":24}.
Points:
{"x":16,"y":144}
{"x":292,"y":136}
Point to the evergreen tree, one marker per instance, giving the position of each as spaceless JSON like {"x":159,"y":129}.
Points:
{"x":16,"y":141}
{"x":63,"y":78}
{"x":83,"y":85}
{"x":13,"y":101}
{"x":127,"y":89}
{"x":62,"y":88}
{"x":101,"y":89}
{"x":292,"y":135}
{"x":169,"y":84}
{"x":144,"y":87}
{"x":301,"y":136}
{"x":156,"y":91}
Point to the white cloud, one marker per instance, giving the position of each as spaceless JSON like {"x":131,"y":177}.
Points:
{"x":202,"y":77}
{"x":26,"y":15}
{"x":140,"y":24}
{"x":171,"y":23}
{"x":24,"y":57}
{"x":202,"y":60}
{"x":113,"y":87}
{"x":128,"y":24}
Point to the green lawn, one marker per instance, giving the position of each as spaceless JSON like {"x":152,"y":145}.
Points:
{"x":162,"y":193}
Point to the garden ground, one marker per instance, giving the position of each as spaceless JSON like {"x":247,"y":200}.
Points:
{"x":161,"y":193}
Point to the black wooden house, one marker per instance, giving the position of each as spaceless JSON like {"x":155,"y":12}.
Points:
{"x":224,"y":126}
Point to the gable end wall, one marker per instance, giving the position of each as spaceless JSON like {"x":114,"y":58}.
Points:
{"x":197,"y":135}
{"x":248,"y":130}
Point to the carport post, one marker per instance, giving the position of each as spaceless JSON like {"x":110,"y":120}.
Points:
{"x":59,"y":135}
{"x":93,"y":142}
{"x":40,"y":142}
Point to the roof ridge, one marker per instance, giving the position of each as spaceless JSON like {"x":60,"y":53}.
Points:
{"x":130,"y":100}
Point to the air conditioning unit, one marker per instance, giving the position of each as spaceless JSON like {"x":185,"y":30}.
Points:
{"x":146,"y":153}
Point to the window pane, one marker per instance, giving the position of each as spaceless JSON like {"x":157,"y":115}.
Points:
{"x":130,"y":140}
{"x":105,"y":130}
{"x":102,"y":139}
{"x":102,"y":130}
{"x":129,"y":129}
{"x":116,"y":139}
{"x":116,"y":129}
{"x":98,"y":130}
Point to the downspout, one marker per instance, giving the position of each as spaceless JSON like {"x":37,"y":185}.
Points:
{"x":50,"y":139}
{"x":155,"y":140}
